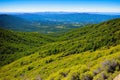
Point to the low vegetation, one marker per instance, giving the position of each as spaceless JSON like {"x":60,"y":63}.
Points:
{"x":88,"y":53}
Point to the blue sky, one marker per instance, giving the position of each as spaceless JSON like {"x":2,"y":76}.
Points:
{"x":60,"y":5}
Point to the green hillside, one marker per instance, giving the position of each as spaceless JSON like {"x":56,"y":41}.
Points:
{"x":88,"y":53}
{"x":14,"y":45}
{"x":98,"y":65}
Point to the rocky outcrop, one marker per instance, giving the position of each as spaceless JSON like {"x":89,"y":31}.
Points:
{"x":117,"y":77}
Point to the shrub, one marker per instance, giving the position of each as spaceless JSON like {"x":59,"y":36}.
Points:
{"x":49,"y":60}
{"x":101,"y":76}
{"x":87,"y":76}
{"x":30,"y":67}
{"x":97,"y":71}
{"x":63,"y":74}
{"x":110,"y":65}
{"x":75,"y":76}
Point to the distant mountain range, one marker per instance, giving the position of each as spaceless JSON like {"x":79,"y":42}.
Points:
{"x":85,"y":18}
{"x":46,"y":22}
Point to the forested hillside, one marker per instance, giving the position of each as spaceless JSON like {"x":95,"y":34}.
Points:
{"x":88,"y":53}
{"x":14,"y":45}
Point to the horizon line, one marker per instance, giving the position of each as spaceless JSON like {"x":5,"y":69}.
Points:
{"x":54,"y":12}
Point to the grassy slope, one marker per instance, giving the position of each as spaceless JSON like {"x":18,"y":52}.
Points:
{"x":84,"y":65}
{"x":60,"y":59}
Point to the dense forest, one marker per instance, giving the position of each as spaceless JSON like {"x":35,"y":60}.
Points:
{"x":91,"y":52}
